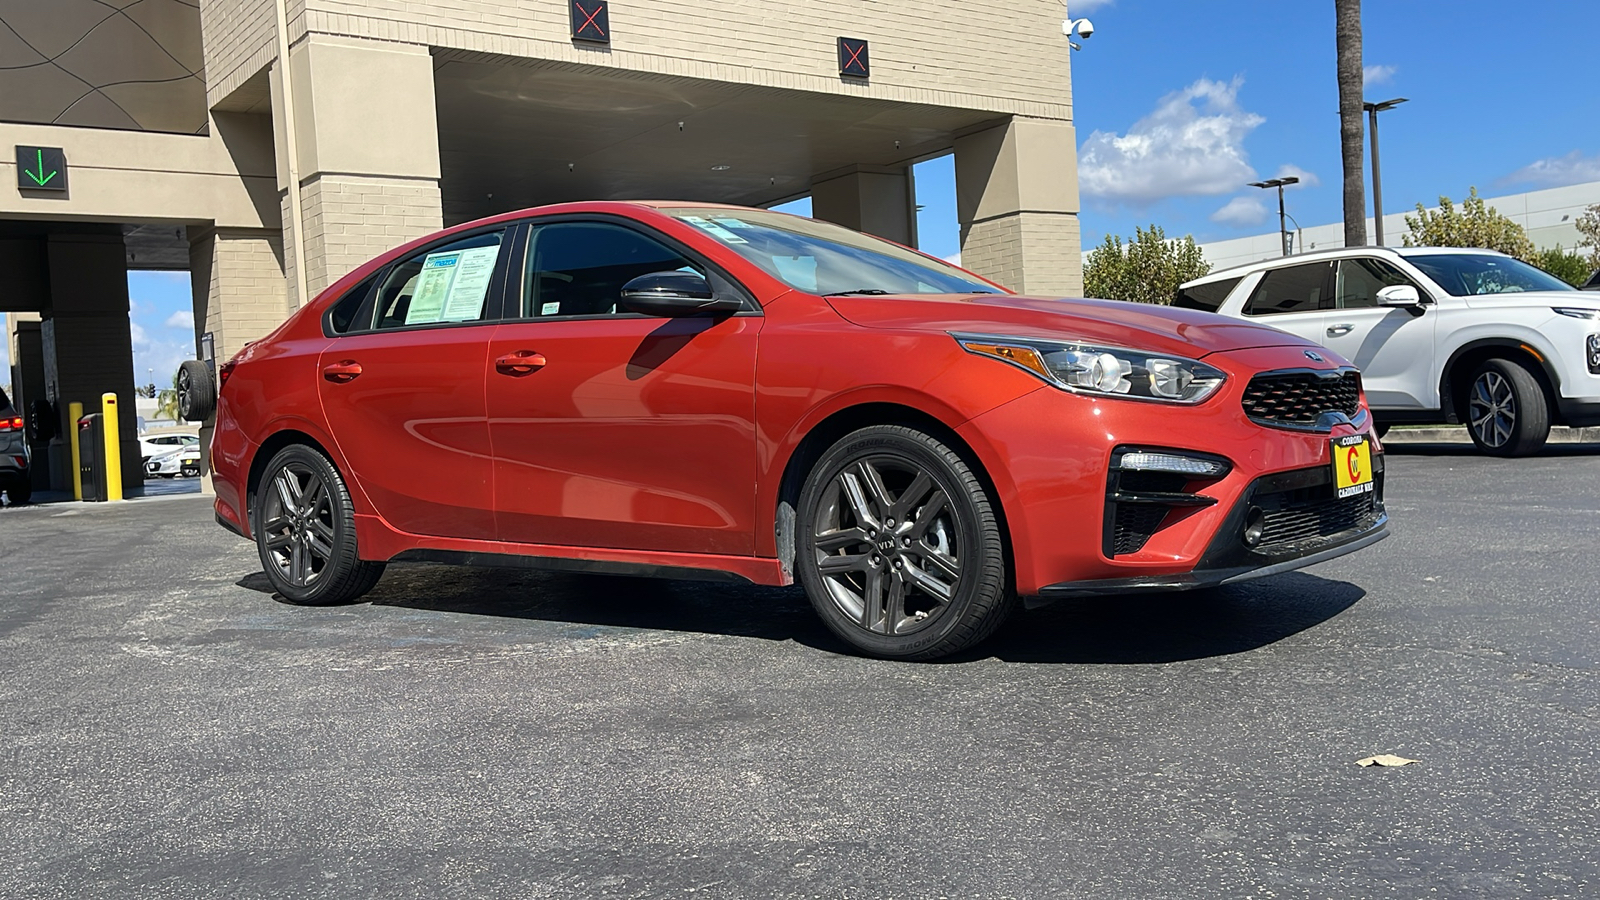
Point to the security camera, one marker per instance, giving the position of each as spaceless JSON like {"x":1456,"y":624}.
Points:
{"x":1078,"y":28}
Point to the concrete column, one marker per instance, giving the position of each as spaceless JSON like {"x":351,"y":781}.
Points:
{"x":236,"y":275}
{"x":880,"y":201}
{"x":367,"y":155}
{"x":87,"y":344}
{"x":1017,"y":200}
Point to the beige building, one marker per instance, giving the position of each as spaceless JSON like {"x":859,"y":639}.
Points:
{"x":187,"y":142}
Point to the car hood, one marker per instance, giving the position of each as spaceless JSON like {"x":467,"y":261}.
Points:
{"x":1524,"y":299}
{"x":1159,"y":329}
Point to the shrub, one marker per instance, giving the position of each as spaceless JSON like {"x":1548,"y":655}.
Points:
{"x":1147,"y":269}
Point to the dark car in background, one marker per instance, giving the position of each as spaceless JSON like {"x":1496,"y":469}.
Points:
{"x":14,"y":478}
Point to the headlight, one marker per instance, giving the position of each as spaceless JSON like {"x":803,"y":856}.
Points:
{"x":1113,"y":371}
{"x":1576,"y":312}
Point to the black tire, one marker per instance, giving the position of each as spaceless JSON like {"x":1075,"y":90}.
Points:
{"x":307,"y":540}
{"x":19,"y":492}
{"x":1507,"y":412}
{"x":197,"y":392}
{"x":923,"y":587}
{"x":1382,"y":429}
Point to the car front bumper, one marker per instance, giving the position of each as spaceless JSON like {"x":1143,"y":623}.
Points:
{"x":1050,"y":454}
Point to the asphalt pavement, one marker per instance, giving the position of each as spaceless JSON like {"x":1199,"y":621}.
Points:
{"x":169,"y":730}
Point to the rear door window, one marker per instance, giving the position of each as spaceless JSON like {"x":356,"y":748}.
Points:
{"x":445,"y":284}
{"x":1292,"y":289}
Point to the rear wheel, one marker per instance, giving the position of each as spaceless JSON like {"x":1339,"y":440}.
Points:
{"x":306,"y":532}
{"x":1507,"y":413}
{"x":899,"y":548}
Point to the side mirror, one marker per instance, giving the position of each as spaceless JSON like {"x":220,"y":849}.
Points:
{"x":1399,"y":295}
{"x":674,"y":294}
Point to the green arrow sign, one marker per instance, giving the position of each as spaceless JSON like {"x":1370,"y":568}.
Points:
{"x":41,"y":169}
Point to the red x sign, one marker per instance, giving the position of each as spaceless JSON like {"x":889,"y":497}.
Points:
{"x":853,"y":58}
{"x":590,"y":21}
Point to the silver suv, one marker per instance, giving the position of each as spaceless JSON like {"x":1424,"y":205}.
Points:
{"x":13,"y":453}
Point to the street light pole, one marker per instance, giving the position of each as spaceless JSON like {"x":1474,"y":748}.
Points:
{"x":1283,"y":225}
{"x":1377,"y":180}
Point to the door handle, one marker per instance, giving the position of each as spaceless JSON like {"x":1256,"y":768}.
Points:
{"x":1342,"y":329}
{"x":522,"y":362}
{"x":342,"y":372}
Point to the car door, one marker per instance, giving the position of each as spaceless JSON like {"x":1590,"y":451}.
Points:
{"x":1293,"y":298}
{"x":612,"y":429}
{"x":1393,"y":347}
{"x":403,"y":393}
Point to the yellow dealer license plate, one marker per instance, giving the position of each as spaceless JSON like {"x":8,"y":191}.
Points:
{"x":1352,"y":465}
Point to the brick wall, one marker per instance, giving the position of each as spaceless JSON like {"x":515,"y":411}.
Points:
{"x":1044,"y":245}
{"x":350,"y":219}
{"x":239,"y":289}
{"x":240,"y":40}
{"x":998,"y":55}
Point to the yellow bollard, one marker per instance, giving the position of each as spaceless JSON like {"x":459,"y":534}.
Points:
{"x":113,"y":454}
{"x":74,"y":413}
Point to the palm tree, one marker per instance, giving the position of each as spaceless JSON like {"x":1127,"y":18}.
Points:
{"x":1347,"y":39}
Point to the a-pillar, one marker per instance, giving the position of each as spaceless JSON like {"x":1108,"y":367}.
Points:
{"x":366,"y":153}
{"x":1017,"y":201}
{"x":877,"y":200}
{"x":88,"y":344}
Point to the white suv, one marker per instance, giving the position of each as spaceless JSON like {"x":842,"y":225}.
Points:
{"x":1440,"y":335}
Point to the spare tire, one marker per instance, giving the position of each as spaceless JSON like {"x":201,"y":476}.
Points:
{"x":197,"y":391}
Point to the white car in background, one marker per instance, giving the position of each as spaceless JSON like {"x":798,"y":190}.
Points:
{"x":1441,"y":335}
{"x":154,"y":445}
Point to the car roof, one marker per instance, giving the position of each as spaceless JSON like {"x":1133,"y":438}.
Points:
{"x":1260,"y":265}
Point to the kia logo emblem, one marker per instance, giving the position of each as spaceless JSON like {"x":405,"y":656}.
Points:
{"x":1313,"y":356}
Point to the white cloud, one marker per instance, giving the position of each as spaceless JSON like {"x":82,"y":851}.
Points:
{"x":1371,"y":75}
{"x":1307,"y":179}
{"x":1557,"y":171}
{"x":157,"y":358}
{"x":1241,"y":211}
{"x":954,"y":259}
{"x":1084,"y":7}
{"x":1191,"y":144}
{"x":183,"y":318}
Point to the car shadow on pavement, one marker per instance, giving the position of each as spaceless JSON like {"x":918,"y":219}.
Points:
{"x":1130,"y":630}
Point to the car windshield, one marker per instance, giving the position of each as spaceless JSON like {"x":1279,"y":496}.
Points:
{"x":1471,"y":274}
{"x":822,"y":258}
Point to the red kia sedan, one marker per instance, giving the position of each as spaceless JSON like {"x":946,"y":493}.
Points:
{"x":713,"y":392}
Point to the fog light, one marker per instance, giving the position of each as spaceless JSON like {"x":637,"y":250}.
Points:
{"x":1144,"y":461}
{"x":1254,"y":524}
{"x":1594,"y":354}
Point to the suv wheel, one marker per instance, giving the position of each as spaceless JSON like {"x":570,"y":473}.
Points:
{"x":1507,"y":413}
{"x":305,"y":531}
{"x":20,"y":491}
{"x":899,"y":547}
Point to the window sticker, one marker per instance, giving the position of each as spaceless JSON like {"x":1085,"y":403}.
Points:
{"x":452,"y":286}
{"x":715,"y":230}
{"x":731,"y":222}
{"x":550,"y":309}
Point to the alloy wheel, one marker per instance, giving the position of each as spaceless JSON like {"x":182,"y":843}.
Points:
{"x":297,"y":524}
{"x":1492,"y":409}
{"x":886,"y":545}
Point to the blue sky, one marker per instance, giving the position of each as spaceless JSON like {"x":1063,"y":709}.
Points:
{"x":1178,"y":104}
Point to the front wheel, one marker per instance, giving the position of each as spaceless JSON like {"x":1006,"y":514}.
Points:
{"x":899,"y":547}
{"x":305,"y":531}
{"x":1507,"y":414}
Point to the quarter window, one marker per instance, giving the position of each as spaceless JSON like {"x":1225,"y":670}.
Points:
{"x":1360,"y":280}
{"x":579,"y":268}
{"x":1207,"y":297}
{"x":444,"y":284}
{"x":1290,"y":290}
